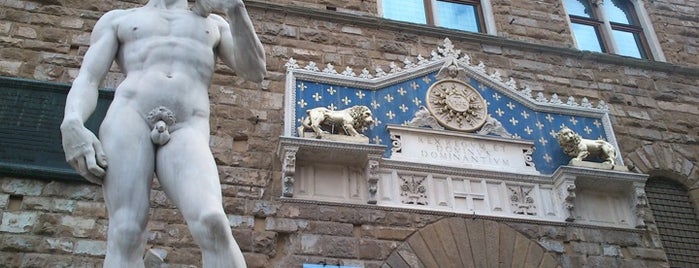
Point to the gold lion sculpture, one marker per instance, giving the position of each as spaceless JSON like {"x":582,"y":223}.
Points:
{"x":350,"y":121}
{"x":578,"y":148}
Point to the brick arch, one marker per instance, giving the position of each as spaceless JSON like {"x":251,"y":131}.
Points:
{"x":662,"y":160}
{"x":459,"y":242}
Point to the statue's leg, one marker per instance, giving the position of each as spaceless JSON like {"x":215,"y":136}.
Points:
{"x":188,"y":174}
{"x":126,"y":140}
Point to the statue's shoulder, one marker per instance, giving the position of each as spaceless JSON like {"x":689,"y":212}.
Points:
{"x":218,"y":19}
{"x":116,"y":14}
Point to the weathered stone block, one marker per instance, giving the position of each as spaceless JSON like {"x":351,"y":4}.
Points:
{"x":331,"y":228}
{"x":386,"y":233}
{"x":264,"y":209}
{"x":254,"y":260}
{"x":90,"y":209}
{"x":5,"y":27}
{"x":398,"y":219}
{"x":244,"y":176}
{"x":601,"y":261}
{"x":310,"y":244}
{"x":552,"y":245}
{"x":612,"y":250}
{"x":10,"y":67}
{"x":18,"y":222}
{"x":10,"y":259}
{"x":20,"y":243}
{"x":371,"y":216}
{"x":90,"y":247}
{"x":77,"y":226}
{"x":285,"y":225}
{"x":584,"y":248}
{"x":647,"y":254}
{"x":376,"y":249}
{"x":237,"y":221}
{"x":73,"y":191}
{"x":340,"y":247}
{"x":48,"y":204}
{"x":4,"y":201}
{"x":58,"y":245}
{"x":21,"y":186}
{"x":265,"y":243}
{"x":74,"y":23}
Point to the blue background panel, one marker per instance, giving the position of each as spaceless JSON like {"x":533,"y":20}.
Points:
{"x":397,"y":104}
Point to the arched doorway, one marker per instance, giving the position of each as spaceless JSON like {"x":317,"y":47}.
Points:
{"x":459,"y":242}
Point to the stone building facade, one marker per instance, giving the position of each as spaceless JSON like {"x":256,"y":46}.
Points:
{"x":653,"y":108}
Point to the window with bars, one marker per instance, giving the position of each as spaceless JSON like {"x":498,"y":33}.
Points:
{"x":608,"y":26}
{"x":465,"y":15}
{"x":676,"y":220}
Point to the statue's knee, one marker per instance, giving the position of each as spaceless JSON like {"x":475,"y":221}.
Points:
{"x":214,"y":223}
{"x":127,"y":234}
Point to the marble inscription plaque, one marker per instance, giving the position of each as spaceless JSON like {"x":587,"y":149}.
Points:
{"x":461,"y":150}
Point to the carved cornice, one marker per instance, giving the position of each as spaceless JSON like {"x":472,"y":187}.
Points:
{"x":330,"y":151}
{"x":388,"y":164}
{"x":460,"y":215}
{"x":610,"y":175}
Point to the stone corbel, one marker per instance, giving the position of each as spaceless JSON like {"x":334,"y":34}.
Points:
{"x":640,"y":204}
{"x":565,"y":186}
{"x":288,"y":170}
{"x":372,"y":176}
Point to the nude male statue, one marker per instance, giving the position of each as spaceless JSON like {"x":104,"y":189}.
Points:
{"x":168,"y":54}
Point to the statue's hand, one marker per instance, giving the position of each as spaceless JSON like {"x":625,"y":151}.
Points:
{"x":84,"y":152}
{"x":205,"y":7}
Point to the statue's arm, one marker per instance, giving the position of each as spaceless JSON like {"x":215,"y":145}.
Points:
{"x":239,"y":47}
{"x":82,"y":149}
{"x":82,"y":98}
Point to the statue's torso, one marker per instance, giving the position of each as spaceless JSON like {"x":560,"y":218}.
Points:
{"x":168,"y":59}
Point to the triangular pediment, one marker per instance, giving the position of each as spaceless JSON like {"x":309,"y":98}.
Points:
{"x":396,"y":92}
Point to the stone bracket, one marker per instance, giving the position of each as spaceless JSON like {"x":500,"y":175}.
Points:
{"x":291,"y":150}
{"x":580,"y":189}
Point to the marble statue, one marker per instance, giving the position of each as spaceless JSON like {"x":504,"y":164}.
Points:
{"x":350,"y":121}
{"x":158,"y":121}
{"x":580,"y":149}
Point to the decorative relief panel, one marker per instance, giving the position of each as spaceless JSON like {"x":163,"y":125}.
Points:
{"x":412,"y":190}
{"x":522,"y":200}
{"x":456,"y":105}
{"x":449,"y":135}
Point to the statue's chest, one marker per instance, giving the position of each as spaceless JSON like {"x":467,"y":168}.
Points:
{"x":148,"y":24}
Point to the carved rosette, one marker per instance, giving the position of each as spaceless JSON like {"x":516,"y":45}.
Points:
{"x":521,"y":200}
{"x":412,"y":191}
{"x":456,"y":105}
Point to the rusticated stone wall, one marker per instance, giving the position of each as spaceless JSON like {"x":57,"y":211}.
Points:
{"x":654,"y":107}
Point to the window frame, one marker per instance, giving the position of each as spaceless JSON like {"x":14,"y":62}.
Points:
{"x":485,"y":20}
{"x":648,"y":46}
